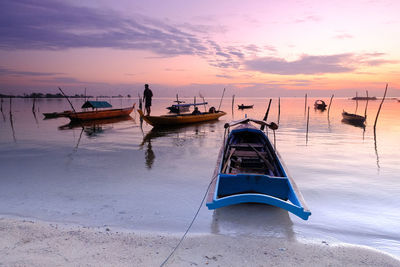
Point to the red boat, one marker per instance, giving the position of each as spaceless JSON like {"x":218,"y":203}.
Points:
{"x":99,"y":114}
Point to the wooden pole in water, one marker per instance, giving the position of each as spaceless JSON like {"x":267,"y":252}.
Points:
{"x":1,"y":105}
{"x":329,"y":107}
{"x":233,"y":101}
{"x":380,"y":106}
{"x":220,"y":102}
{"x":72,"y":106}
{"x":356,"y":103}
{"x":279,"y":111}
{"x":366,"y":106}
{"x":33,"y":105}
{"x":308,"y":121}
{"x":266,"y":114}
{"x":305,"y":104}
{"x":10,"y":104}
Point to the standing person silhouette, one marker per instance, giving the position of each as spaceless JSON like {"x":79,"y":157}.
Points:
{"x":147,"y":95}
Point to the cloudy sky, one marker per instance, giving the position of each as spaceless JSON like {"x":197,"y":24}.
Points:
{"x":252,"y":48}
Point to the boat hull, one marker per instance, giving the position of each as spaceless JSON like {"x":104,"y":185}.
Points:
{"x":100,"y":114}
{"x":53,"y":115}
{"x":171,"y":120}
{"x":245,"y":107}
{"x":274,"y":187}
{"x":353,"y":118}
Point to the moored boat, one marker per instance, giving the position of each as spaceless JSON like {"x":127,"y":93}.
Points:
{"x":179,"y":119}
{"x":177,"y":108}
{"x":250,"y":170}
{"x":320,"y":104}
{"x":242,"y":106}
{"x":353,"y":118}
{"x":99,"y":114}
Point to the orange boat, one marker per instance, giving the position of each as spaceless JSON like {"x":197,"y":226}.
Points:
{"x":179,"y":119}
{"x":99,"y":114}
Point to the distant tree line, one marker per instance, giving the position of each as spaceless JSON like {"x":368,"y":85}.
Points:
{"x":48,"y":95}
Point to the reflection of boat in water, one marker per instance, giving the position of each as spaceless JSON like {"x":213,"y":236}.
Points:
{"x":249,"y":170}
{"x":353,"y":118}
{"x":242,"y":106}
{"x":53,"y":115}
{"x":354,"y":123}
{"x":253,"y":219}
{"x":94,"y":126}
{"x":180,"y":119}
{"x":99,"y":114}
{"x":364,"y":98}
{"x":319,"y":104}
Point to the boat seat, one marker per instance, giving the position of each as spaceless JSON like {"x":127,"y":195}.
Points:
{"x":247,"y":154}
{"x":246,"y":145}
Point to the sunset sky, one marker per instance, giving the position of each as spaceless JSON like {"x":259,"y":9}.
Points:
{"x":251,"y":48}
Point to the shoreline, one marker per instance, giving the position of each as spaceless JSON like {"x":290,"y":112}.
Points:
{"x":27,"y":242}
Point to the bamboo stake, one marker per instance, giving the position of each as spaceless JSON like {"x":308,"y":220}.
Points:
{"x":33,"y":105}
{"x":279,"y":110}
{"x":1,"y":105}
{"x":305,"y":104}
{"x":366,"y":106}
{"x":266,"y":114}
{"x":220,"y":102}
{"x":329,"y":107}
{"x":72,"y":106}
{"x":356,"y":103}
{"x":233,"y":101}
{"x":380,"y":106}
{"x":308,"y":121}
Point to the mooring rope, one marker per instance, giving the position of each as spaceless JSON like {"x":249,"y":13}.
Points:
{"x":190,"y":225}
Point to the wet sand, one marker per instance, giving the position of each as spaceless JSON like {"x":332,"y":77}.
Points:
{"x":38,"y":243}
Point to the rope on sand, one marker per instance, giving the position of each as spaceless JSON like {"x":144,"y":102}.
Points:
{"x":190,"y":225}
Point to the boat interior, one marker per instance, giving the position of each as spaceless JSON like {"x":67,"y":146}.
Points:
{"x":250,"y":152}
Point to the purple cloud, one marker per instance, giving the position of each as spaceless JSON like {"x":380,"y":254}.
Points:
{"x":304,"y":65}
{"x":10,"y":72}
{"x":56,"y":25}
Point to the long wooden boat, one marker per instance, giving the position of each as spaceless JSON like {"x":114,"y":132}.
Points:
{"x":250,"y":170}
{"x":100,"y":114}
{"x":52,"y":115}
{"x":353,"y":118}
{"x":242,"y":106}
{"x":320,"y":104}
{"x":179,"y":119}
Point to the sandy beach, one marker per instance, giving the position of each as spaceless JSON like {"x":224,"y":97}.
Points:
{"x":37,"y":243}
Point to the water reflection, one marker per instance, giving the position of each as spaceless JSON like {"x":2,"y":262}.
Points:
{"x":94,"y":128}
{"x":252,"y":219}
{"x":178,"y":134}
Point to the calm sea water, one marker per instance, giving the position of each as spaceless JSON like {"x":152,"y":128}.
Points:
{"x":119,"y":174}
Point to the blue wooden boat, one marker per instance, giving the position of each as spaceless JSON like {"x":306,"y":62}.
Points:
{"x":250,"y":170}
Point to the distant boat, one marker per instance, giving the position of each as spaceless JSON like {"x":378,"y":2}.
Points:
{"x":364,"y":98}
{"x":177,"y":108}
{"x":250,"y":170}
{"x":319,"y":104}
{"x":53,"y":115}
{"x":179,"y":119}
{"x":99,"y":114}
{"x":242,"y":106}
{"x":353,"y":118}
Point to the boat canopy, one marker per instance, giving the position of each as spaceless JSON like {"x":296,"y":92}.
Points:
{"x":190,"y":104}
{"x":96,"y":104}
